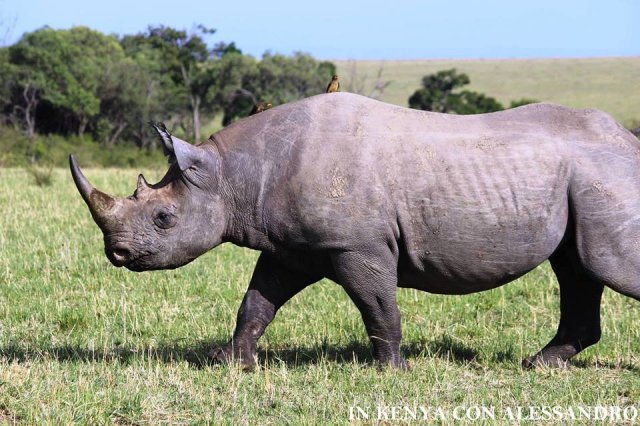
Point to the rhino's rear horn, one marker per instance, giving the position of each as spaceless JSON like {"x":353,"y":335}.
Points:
{"x":143,"y":185}
{"x":99,"y":203}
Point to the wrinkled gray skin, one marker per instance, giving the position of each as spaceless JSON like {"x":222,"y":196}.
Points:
{"x":375,"y":196}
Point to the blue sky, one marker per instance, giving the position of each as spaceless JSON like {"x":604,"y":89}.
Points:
{"x":373,"y":29}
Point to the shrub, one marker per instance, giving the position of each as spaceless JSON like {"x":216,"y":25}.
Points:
{"x":43,"y":175}
{"x":16,"y":150}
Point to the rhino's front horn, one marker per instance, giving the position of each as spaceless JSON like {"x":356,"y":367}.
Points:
{"x":100,"y":204}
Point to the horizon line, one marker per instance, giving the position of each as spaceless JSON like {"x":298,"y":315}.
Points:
{"x":485,"y":58}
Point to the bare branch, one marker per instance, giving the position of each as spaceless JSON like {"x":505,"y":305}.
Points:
{"x":7,"y":27}
{"x":358,"y":82}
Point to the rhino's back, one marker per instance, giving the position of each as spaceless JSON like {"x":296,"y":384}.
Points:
{"x":334,"y":121}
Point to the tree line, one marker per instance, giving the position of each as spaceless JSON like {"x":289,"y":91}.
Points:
{"x":79,"y":81}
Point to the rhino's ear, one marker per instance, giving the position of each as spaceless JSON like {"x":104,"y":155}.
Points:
{"x":164,"y":136}
{"x":185,"y":154}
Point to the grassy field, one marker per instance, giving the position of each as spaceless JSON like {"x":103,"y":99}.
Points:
{"x":610,"y":84}
{"x":84,"y":342}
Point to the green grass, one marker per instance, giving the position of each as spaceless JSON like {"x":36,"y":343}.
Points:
{"x":610,"y":84}
{"x":84,"y":342}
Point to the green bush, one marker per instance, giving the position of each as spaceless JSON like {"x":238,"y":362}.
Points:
{"x":42,"y":175}
{"x":16,"y":150}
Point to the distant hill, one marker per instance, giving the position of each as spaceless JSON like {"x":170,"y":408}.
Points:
{"x":609,"y":84}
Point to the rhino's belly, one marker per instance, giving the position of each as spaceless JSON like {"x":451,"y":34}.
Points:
{"x":463,"y":253}
{"x":457,"y":276}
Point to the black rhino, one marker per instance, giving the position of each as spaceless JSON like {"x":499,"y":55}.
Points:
{"x":375,"y":196}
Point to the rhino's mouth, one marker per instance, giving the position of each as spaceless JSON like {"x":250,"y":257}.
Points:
{"x":139,"y":265}
{"x":133,"y":264}
{"x":122,"y":253}
{"x":136,"y":267}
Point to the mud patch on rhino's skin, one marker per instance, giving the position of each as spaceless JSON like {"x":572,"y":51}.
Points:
{"x":424,"y":158}
{"x":598,"y":187}
{"x":339,"y":183}
{"x":623,"y":143}
{"x":487,"y":143}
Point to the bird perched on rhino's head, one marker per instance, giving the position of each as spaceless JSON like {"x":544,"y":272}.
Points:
{"x":259,"y":107}
{"x":334,"y":85}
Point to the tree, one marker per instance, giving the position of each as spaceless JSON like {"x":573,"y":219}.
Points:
{"x":221,"y":49}
{"x":228,"y":94}
{"x":282,"y":79}
{"x":162,"y":98}
{"x":81,"y":81}
{"x":279,"y":79}
{"x":187,"y":59}
{"x":26,"y":75}
{"x":96,"y":55}
{"x":61,"y":69}
{"x":438,"y":93}
{"x":6,"y":79}
{"x":475,"y":103}
{"x":123,"y":94}
{"x":521,"y":102}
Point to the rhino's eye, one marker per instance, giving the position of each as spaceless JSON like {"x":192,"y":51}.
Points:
{"x":164,"y":219}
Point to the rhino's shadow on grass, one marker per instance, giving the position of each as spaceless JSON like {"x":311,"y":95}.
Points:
{"x":359,"y":352}
{"x":355,"y":352}
{"x":195,"y":353}
{"x":191,"y":352}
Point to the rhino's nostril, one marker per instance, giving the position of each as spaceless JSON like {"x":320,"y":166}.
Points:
{"x":120,"y":255}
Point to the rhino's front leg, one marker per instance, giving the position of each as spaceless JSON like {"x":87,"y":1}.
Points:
{"x":370,"y":280}
{"x":271,"y":286}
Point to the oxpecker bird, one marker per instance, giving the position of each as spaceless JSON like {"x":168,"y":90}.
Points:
{"x":259,"y":107}
{"x":334,"y":85}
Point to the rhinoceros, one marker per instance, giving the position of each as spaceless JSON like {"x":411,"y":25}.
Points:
{"x":375,"y":196}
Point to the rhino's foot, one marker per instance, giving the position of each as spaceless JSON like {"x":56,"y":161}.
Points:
{"x":394,"y":361}
{"x":398,"y":363}
{"x":229,"y":354}
{"x":538,"y":360}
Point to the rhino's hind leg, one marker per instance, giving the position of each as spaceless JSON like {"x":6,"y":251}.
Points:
{"x":371,"y":283}
{"x":579,"y":324}
{"x":271,"y":286}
